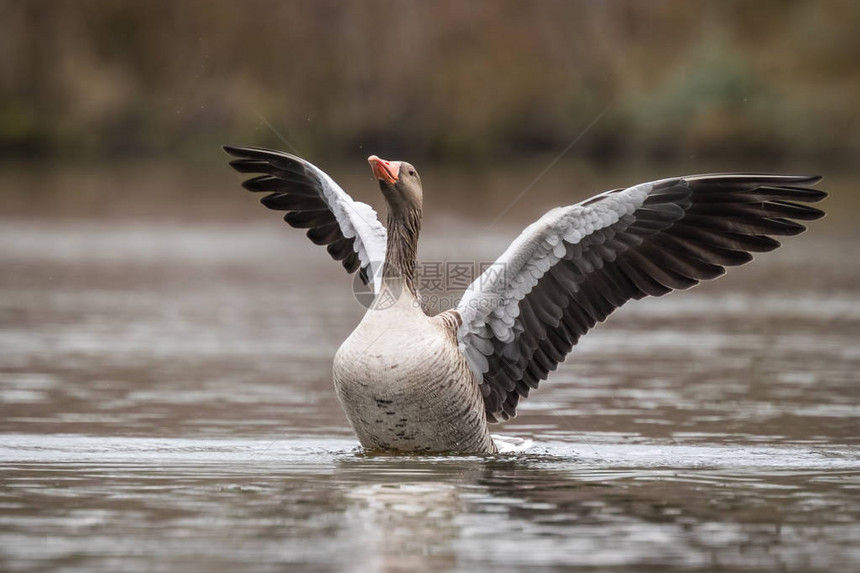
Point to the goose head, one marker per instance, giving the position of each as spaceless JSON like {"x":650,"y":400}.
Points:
{"x":399,"y":183}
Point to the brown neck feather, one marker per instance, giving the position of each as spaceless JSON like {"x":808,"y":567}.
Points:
{"x":404,"y":225}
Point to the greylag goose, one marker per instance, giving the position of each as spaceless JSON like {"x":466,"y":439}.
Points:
{"x":410,"y":382}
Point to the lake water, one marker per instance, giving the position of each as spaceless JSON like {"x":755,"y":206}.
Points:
{"x":166,"y":405}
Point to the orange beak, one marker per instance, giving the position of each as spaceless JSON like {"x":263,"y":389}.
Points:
{"x":388,"y":171}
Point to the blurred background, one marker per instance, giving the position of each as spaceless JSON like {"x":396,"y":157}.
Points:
{"x":166,"y":343}
{"x":115,"y":107}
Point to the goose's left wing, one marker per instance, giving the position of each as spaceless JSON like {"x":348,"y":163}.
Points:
{"x":349,"y":229}
{"x":577,"y":264}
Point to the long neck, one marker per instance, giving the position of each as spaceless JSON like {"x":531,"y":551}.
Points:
{"x":404,"y":225}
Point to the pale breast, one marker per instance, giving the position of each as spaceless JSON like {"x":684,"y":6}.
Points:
{"x":405,"y":386}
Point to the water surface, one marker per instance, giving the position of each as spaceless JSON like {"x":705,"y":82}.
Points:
{"x":166,"y":405}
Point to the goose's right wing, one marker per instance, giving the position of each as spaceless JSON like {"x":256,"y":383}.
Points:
{"x":349,"y":229}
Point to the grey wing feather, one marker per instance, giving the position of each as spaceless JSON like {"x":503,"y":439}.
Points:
{"x":575,"y":265}
{"x":350,"y":230}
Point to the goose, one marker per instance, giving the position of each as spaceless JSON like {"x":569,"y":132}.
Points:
{"x":411,"y":382}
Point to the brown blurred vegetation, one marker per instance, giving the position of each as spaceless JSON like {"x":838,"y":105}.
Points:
{"x":105,"y":80}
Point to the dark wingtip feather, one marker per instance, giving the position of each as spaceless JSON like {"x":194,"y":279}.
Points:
{"x":794,"y":211}
{"x":804,"y":179}
{"x":234,"y":150}
{"x":251,"y":152}
{"x":262,"y":183}
{"x":288,"y":202}
{"x":755,"y":178}
{"x":812,"y":195}
{"x":249,"y":165}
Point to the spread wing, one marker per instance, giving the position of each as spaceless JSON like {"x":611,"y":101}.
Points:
{"x":349,"y":229}
{"x":577,"y":264}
